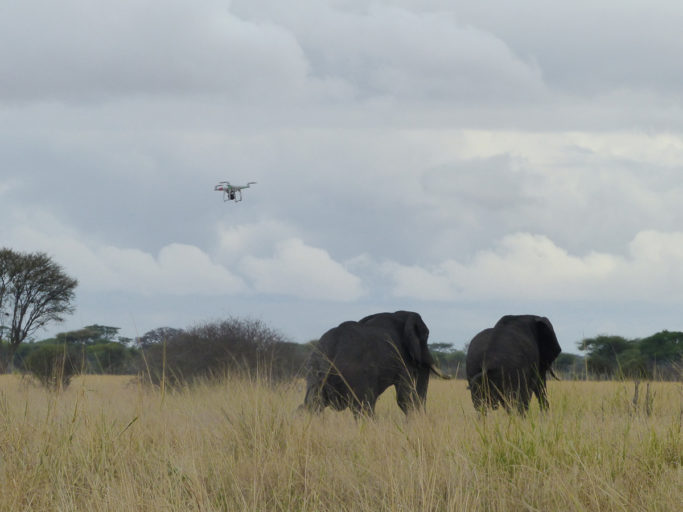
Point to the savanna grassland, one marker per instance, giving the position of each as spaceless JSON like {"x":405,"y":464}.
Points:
{"x":108,"y":443}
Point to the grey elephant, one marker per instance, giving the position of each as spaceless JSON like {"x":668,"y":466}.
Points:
{"x":356,"y":362}
{"x":508,"y":363}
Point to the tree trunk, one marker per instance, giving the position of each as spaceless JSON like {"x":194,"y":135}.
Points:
{"x":7,"y":358}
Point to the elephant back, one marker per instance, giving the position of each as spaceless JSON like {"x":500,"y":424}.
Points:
{"x":408,"y":332}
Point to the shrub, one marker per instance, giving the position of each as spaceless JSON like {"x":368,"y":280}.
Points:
{"x":54,"y":365}
{"x":110,"y":357}
{"x":234,"y":346}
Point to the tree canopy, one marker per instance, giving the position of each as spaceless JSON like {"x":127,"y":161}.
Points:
{"x":34,"y":291}
{"x":158,"y":335}
{"x":658,"y":356}
{"x":89,"y":335}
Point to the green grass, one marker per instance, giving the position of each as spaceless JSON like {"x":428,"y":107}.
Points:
{"x":107,"y":443}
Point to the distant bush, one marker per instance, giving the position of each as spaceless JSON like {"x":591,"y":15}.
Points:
{"x":54,"y":365}
{"x":110,"y":358}
{"x":570,"y":366}
{"x":235,"y":346}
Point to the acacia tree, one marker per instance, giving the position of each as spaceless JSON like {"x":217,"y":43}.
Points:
{"x":34,"y":290}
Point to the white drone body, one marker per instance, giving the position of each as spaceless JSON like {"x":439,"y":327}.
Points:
{"x":232,"y":192}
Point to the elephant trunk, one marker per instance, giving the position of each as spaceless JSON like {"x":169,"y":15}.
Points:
{"x":439,"y":373}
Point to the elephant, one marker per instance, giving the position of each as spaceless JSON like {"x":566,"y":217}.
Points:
{"x":355,"y":362}
{"x":507,"y":363}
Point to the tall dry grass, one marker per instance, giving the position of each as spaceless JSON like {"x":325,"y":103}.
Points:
{"x":107,"y":443}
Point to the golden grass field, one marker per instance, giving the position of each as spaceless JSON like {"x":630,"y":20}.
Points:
{"x":107,"y":443}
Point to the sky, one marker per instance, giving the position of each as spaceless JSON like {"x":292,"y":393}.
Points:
{"x":464,"y":160}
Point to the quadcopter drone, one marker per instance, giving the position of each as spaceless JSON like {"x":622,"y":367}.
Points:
{"x":232,"y":192}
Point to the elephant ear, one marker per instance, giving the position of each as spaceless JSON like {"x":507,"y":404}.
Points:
{"x":548,"y":346}
{"x":415,"y":335}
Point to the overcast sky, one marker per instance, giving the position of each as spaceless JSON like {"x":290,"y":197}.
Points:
{"x":464,"y":160}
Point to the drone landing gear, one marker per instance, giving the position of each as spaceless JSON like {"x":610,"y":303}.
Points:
{"x":232,"y":195}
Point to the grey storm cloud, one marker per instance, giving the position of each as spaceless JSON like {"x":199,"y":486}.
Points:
{"x":81,"y":51}
{"x":85,"y":51}
{"x":486,"y":184}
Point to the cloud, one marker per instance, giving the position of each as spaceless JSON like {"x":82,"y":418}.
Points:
{"x":6,"y":185}
{"x":302,"y":271}
{"x":254,"y":238}
{"x":384,"y":51}
{"x":415,"y":63}
{"x":178,"y":269}
{"x":412,"y":281}
{"x":584,"y":190}
{"x":404,"y":151}
{"x":491,"y":184}
{"x":525,"y":267}
{"x":257,"y":258}
{"x":81,"y":51}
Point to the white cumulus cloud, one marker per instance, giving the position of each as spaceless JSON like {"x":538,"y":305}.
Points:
{"x":524,"y":266}
{"x":297,"y":269}
{"x":179,"y":269}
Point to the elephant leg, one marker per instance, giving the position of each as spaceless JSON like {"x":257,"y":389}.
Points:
{"x":523,"y":400}
{"x":478,"y":400}
{"x":421,"y":385}
{"x":508,"y":388}
{"x":485,"y":390}
{"x":313,"y":401}
{"x":542,"y":395}
{"x":363,"y":408}
{"x":476,"y":391}
{"x":411,"y":391}
{"x":497,"y":390}
{"x":507,"y":402}
{"x":509,"y":398}
{"x":543,"y":401}
{"x":523,"y":394}
{"x":407,"y":398}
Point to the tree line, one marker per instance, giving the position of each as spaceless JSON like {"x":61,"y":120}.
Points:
{"x":251,"y":349}
{"x":35,"y":291}
{"x":164,"y":355}
{"x":659,"y":356}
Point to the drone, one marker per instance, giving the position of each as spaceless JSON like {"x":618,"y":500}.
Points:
{"x":232,"y":192}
